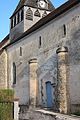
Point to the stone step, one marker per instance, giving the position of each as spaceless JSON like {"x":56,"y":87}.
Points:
{"x":34,"y":114}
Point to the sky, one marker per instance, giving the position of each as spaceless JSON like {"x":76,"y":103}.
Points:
{"x":6,"y":9}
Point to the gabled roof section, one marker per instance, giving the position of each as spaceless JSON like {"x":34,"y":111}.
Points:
{"x":31,"y":3}
{"x":19,"y":6}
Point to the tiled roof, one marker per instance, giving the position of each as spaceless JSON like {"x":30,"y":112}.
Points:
{"x":32,"y":3}
{"x":4,"y":41}
{"x":20,"y":4}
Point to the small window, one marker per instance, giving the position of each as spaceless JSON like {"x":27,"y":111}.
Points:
{"x":22,"y":15}
{"x":64,"y":27}
{"x":18,"y":18}
{"x":14,"y":73}
{"x":14,"y":20}
{"x":11,"y":23}
{"x":29,"y":14}
{"x":20,"y":51}
{"x":40,"y":41}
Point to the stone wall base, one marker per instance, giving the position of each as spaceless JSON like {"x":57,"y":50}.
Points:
{"x":45,"y":115}
{"x":75,"y":108}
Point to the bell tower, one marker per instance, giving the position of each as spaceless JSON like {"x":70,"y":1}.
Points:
{"x":26,"y":14}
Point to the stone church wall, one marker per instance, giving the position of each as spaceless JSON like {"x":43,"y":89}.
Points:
{"x":3,"y":69}
{"x":52,"y":37}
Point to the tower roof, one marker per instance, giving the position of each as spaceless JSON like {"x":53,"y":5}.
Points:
{"x":32,"y":3}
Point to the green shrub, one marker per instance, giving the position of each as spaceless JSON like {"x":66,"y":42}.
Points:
{"x":6,"y":95}
{"x":6,"y":111}
{"x":6,"y":104}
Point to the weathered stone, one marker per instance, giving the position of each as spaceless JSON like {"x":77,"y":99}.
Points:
{"x":46,"y":115}
{"x":63,"y":80}
{"x":3,"y":69}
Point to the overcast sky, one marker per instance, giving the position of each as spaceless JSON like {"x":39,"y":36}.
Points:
{"x":6,"y":9}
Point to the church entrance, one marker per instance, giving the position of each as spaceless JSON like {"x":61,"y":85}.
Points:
{"x":49,"y":94}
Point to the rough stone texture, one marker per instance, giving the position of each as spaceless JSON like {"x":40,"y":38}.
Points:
{"x":3,"y":69}
{"x":52,"y":37}
{"x":45,"y":115}
{"x":63,"y":98}
{"x":33,"y":83}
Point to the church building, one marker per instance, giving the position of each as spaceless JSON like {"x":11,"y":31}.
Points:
{"x":40,"y":57}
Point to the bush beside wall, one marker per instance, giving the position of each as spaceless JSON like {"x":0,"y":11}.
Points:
{"x":6,"y":104}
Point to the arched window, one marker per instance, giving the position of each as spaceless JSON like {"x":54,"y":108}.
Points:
{"x":20,"y":51}
{"x":40,"y":42}
{"x":11,"y":23}
{"x":22,"y":15}
{"x":14,"y":20}
{"x":18,"y":18}
{"x":29,"y":14}
{"x":64,"y":27}
{"x":14,"y":73}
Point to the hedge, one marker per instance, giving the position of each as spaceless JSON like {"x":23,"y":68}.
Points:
{"x":6,"y":104}
{"x":6,"y":95}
